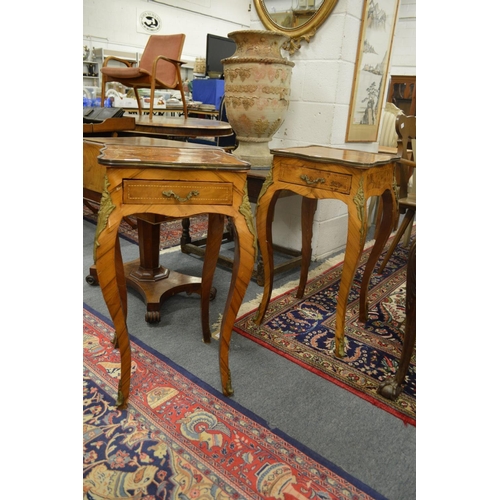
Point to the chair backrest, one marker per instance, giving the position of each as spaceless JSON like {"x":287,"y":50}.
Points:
{"x":163,"y":45}
{"x":388,"y":136}
{"x":406,"y":128}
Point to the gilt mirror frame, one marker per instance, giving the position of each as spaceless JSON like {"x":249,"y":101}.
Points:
{"x":303,"y":32}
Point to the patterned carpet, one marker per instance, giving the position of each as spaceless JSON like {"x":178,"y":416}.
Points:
{"x":170,"y":232}
{"x":178,"y":440}
{"x":303,"y":331}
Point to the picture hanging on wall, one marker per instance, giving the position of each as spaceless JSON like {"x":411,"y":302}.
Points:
{"x":148,"y":22}
{"x":370,"y":74}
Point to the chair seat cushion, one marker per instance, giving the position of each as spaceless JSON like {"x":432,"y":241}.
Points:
{"x":124,"y":72}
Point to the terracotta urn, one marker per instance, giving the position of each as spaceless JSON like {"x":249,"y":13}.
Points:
{"x":257,"y":92}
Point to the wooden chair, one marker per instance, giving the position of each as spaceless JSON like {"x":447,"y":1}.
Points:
{"x":159,"y":68}
{"x":406,"y":127}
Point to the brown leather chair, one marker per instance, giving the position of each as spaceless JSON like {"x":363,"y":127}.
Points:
{"x":159,"y":68}
{"x":406,"y":128}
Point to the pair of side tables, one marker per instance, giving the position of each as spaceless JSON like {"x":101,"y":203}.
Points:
{"x":184,"y":181}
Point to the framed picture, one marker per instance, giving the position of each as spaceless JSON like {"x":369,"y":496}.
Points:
{"x":372,"y":65}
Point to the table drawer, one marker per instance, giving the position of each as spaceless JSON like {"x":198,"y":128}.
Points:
{"x":177,"y":192}
{"x":316,"y":178}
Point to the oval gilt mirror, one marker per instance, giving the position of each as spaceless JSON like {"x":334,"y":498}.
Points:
{"x":299,"y":19}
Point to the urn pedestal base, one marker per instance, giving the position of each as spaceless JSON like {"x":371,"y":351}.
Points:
{"x":255,"y":153}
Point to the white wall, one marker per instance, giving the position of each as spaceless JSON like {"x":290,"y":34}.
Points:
{"x":321,"y":80}
{"x":112,"y":24}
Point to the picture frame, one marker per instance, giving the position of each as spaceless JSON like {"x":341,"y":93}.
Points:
{"x":371,"y":69}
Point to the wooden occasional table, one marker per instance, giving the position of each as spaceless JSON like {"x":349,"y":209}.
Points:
{"x":319,"y":172}
{"x":153,"y":281}
{"x":174,"y":182}
{"x":161,"y":126}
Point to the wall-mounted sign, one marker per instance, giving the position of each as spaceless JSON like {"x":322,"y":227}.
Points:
{"x":150,"y":22}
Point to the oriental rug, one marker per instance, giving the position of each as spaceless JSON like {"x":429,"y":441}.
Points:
{"x":303,"y":330}
{"x":179,"y":438}
{"x":170,"y":231}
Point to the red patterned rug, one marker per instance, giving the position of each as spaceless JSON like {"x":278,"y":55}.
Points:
{"x":303,"y":331}
{"x":170,"y":232}
{"x":180,"y":439}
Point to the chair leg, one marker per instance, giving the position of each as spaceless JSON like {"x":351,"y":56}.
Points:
{"x":152,"y":99}
{"x":407,"y":236}
{"x":103,"y":90}
{"x":391,"y":388}
{"x":181,"y":90}
{"x":406,"y":221}
{"x":136,"y":92}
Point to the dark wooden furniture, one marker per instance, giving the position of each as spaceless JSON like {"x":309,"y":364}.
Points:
{"x":392,"y":387}
{"x":403,"y":93}
{"x":181,"y":127}
{"x":318,"y":172}
{"x":111,"y":126}
{"x":174,"y":182}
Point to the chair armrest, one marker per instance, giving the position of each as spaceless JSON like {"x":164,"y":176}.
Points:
{"x":410,"y":163}
{"x":118,"y":59}
{"x":165,"y":58}
{"x":177,"y":65}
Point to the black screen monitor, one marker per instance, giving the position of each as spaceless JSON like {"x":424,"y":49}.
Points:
{"x":218,"y":48}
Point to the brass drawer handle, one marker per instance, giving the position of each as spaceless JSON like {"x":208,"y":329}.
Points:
{"x":171,"y":194}
{"x":308,"y":181}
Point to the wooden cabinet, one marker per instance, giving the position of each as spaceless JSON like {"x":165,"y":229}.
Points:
{"x":403,"y":93}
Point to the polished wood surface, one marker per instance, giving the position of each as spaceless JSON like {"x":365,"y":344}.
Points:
{"x":93,"y":171}
{"x":318,"y":172}
{"x":121,"y":198}
{"x":112,"y":125}
{"x":182,"y":127}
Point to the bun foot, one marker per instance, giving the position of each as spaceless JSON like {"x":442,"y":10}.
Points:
{"x":390,"y":389}
{"x":91,"y":280}
{"x":152,"y":316}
